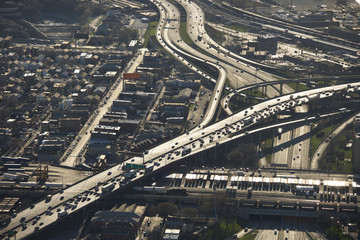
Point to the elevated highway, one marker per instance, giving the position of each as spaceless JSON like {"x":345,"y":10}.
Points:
{"x":92,"y":189}
{"x":101,"y":185}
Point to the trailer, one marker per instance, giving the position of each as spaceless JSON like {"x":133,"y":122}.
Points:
{"x":7,"y":184}
{"x":107,"y":188}
{"x":149,"y":168}
{"x":54,"y":185}
{"x":22,"y":175}
{"x":10,"y":176}
{"x":12,"y":165}
{"x":29,"y":184}
{"x":185,"y":151}
{"x":130,"y":174}
{"x":62,"y":214}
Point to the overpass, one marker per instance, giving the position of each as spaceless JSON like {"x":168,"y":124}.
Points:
{"x":234,"y":92}
{"x":94,"y":188}
{"x":114,"y":179}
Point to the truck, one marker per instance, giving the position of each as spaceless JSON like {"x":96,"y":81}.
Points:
{"x":185,"y":151}
{"x":108,"y":188}
{"x":149,"y":168}
{"x":134,"y":166}
{"x":62,"y":214}
{"x":130,"y":174}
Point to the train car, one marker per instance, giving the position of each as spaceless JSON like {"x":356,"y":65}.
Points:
{"x":248,"y":203}
{"x":287,"y":205}
{"x":327,"y":207}
{"x":177,"y":192}
{"x":308,"y":206}
{"x":348,"y":208}
{"x":268,"y":204}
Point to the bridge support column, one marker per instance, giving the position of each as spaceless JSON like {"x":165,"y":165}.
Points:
{"x":281,"y":89}
{"x":265,"y":90}
{"x":297,"y":86}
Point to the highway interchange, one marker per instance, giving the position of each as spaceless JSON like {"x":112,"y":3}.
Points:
{"x":203,"y":137}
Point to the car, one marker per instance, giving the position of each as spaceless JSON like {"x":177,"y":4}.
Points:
{"x":246,"y":229}
{"x":275,"y":232}
{"x":61,"y":198}
{"x":22,"y":219}
{"x":287,"y":230}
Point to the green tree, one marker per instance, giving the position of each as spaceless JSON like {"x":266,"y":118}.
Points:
{"x":167,"y":208}
{"x":245,"y":155}
{"x":190,"y":212}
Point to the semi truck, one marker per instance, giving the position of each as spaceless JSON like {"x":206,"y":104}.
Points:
{"x":62,"y":214}
{"x":149,"y":168}
{"x":130,"y":174}
{"x":185,"y":151}
{"x":108,"y":188}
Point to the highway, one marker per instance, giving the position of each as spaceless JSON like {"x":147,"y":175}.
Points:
{"x":296,"y":30}
{"x":165,"y":154}
{"x":321,"y":149}
{"x":175,"y":150}
{"x":165,"y":34}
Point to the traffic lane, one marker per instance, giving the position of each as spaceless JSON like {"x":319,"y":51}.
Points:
{"x":337,"y":87}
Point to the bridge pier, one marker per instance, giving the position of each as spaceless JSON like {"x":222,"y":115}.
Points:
{"x":281,"y":89}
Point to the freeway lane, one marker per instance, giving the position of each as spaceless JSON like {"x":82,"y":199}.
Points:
{"x":167,"y":31}
{"x":210,"y":136}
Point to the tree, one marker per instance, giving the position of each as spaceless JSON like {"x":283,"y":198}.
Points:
{"x":190,"y":212}
{"x":155,"y":234}
{"x":167,"y":208}
{"x":245,"y":155}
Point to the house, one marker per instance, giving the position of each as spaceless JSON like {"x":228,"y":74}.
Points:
{"x":119,"y":223}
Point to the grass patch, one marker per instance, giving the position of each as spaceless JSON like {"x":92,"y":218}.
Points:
{"x":267,"y":146}
{"x":183,"y":33}
{"x":250,"y":236}
{"x":149,"y":33}
{"x":216,"y":35}
{"x":319,"y":133}
{"x":254,"y":92}
{"x":237,"y":28}
{"x":301,"y":87}
{"x":191,"y":107}
{"x":224,"y":229}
